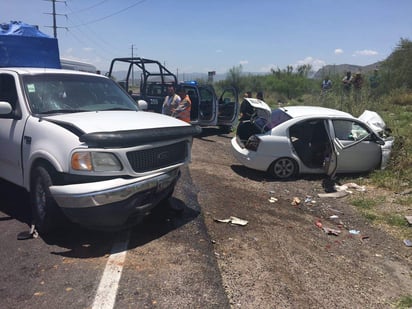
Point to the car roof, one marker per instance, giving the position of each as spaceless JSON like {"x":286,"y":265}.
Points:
{"x":307,"y":111}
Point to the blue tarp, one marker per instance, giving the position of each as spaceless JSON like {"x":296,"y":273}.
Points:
{"x":23,"y":45}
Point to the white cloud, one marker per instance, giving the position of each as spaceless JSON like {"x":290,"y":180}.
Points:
{"x":365,"y":52}
{"x":338,"y":51}
{"x":315,"y":63}
{"x":243,"y":62}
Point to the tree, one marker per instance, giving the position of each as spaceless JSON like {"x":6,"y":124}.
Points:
{"x":234,"y":77}
{"x":397,"y":68}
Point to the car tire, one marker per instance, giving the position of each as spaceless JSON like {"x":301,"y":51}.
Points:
{"x":283,"y":168}
{"x":45,"y":212}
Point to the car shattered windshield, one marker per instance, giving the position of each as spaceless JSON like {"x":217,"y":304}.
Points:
{"x":70,"y":93}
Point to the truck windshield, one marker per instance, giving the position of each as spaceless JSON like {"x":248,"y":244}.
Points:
{"x":70,"y":93}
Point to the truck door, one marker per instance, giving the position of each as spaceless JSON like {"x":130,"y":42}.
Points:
{"x":11,"y":132}
{"x":204,"y":105}
{"x":228,"y":107}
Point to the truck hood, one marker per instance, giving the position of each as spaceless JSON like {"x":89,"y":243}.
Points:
{"x":123,"y":128}
{"x":112,"y":121}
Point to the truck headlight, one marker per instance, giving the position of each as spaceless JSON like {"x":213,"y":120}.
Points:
{"x":95,"y":161}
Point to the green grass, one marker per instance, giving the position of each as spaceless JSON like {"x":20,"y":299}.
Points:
{"x":404,"y":302}
{"x":364,"y":203}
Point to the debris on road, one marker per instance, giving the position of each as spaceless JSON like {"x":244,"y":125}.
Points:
{"x":407,"y":242}
{"x":343,"y":190}
{"x":336,"y":194}
{"x":233,"y":220}
{"x":330,"y":231}
{"x":295,"y":201}
{"x":273,"y":199}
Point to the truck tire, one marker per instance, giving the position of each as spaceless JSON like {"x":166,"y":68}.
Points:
{"x":45,"y":212}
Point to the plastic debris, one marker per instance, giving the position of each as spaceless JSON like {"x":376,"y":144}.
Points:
{"x":334,"y":217}
{"x":409,"y":219}
{"x":354,"y":232}
{"x":407,"y":242}
{"x":233,"y":220}
{"x":273,"y":199}
{"x":318,"y":224}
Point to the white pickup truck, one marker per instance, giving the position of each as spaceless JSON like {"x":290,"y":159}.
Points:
{"x":79,"y":145}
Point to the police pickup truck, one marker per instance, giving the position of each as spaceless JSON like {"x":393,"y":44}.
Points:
{"x":208,"y":109}
{"x":78,"y":143}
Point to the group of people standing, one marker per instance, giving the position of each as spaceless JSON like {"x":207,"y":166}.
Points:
{"x":352,"y":81}
{"x":177,"y":103}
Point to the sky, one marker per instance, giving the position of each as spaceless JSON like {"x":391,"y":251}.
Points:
{"x":199,"y":36}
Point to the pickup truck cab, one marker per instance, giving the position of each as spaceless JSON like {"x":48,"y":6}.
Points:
{"x":78,"y":143}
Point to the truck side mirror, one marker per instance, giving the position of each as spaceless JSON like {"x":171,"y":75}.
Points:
{"x":5,"y":108}
{"x":142,"y":104}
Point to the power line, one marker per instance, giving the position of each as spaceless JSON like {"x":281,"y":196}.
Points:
{"x":111,"y":15}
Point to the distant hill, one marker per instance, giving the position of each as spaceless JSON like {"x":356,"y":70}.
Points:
{"x":341,"y":69}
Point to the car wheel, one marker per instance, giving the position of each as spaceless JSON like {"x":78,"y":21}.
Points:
{"x":45,"y":211}
{"x":283,"y":168}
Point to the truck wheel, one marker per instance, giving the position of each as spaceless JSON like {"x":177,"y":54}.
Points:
{"x":44,"y":208}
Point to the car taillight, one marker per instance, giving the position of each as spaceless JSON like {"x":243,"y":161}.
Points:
{"x":252,"y":143}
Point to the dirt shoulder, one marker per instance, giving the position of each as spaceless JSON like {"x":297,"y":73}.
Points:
{"x":283,"y":257}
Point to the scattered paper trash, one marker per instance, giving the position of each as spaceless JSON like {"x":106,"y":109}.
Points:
{"x":407,"y":242}
{"x":409,"y":219}
{"x":334,"y":217}
{"x":354,"y":232}
{"x":273,"y":199}
{"x":233,"y":220}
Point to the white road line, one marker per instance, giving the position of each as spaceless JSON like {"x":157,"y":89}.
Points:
{"x":106,"y":292}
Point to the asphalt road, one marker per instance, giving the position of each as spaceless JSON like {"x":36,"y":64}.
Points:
{"x":168,"y":262}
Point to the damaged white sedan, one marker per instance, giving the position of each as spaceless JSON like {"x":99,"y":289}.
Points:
{"x":311,"y":140}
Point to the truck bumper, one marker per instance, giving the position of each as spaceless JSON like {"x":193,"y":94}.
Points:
{"x":114,"y":203}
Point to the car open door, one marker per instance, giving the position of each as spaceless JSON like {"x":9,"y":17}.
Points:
{"x":331,"y":154}
{"x":228,"y":108}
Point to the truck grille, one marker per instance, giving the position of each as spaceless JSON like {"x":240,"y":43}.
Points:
{"x":155,"y":158}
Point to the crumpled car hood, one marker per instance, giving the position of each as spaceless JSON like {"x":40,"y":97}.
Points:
{"x":373,"y":119}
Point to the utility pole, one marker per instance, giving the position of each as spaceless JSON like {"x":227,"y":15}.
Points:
{"x":54,"y":17}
